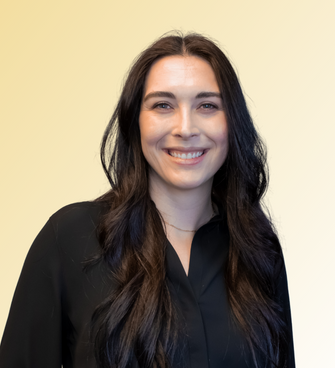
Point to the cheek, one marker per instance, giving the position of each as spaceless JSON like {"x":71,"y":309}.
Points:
{"x":152,"y":135}
{"x":219,"y":134}
{"x":222,"y":140}
{"x":151,"y":131}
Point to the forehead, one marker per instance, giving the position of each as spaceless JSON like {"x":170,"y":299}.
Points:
{"x":173,"y":72}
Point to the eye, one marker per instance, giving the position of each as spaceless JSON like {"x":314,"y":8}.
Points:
{"x":208,"y":106}
{"x":162,"y":106}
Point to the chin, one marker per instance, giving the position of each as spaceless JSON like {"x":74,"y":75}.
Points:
{"x":190,"y":184}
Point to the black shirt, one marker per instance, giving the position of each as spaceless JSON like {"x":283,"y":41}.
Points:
{"x":49,"y":321}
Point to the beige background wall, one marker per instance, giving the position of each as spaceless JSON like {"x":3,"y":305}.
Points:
{"x":62,"y":65}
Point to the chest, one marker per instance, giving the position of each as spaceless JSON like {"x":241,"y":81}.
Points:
{"x":213,"y":339}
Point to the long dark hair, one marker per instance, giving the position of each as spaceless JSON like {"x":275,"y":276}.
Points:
{"x":138,"y":318}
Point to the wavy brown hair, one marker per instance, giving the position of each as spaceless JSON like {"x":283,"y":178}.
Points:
{"x":138,"y":319}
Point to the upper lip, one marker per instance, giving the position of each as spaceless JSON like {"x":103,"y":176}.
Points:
{"x":186,"y":149}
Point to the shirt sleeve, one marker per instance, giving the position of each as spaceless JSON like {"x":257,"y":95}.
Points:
{"x":284,"y":301}
{"x":33,"y":333}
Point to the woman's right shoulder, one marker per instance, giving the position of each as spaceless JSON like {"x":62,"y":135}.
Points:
{"x":67,"y":230}
{"x":76,"y":213}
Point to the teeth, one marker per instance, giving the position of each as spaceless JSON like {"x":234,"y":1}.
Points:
{"x":187,"y":156}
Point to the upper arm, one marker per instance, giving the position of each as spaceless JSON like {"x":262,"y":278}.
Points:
{"x":32,"y":336}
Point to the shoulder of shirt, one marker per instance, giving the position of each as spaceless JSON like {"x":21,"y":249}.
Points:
{"x":67,"y":228}
{"x":76,"y":213}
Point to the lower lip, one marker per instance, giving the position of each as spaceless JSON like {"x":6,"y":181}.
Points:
{"x":190,"y":161}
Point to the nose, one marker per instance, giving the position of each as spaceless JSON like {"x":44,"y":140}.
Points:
{"x":185,"y":125}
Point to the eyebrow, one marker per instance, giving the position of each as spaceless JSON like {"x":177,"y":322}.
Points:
{"x":171,"y":95}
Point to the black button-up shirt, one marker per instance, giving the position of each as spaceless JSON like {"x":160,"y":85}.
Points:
{"x":49,"y":320}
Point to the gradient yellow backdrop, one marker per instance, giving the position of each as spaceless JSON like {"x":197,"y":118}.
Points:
{"x":62,"y":67}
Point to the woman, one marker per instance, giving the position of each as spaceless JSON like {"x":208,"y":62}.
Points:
{"x":177,"y":265}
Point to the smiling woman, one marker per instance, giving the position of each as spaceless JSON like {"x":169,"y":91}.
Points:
{"x":184,"y":131}
{"x":184,"y":137}
{"x":177,"y":265}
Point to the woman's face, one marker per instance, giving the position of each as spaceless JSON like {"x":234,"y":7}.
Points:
{"x":184,"y":132}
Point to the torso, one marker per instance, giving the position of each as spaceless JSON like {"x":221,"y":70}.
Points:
{"x":54,"y":267}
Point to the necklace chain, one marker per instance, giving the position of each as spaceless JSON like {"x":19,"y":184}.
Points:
{"x":188,"y":231}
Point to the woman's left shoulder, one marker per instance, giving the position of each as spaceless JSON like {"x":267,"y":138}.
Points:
{"x":279,"y":265}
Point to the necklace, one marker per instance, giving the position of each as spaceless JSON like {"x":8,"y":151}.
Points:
{"x":188,"y":231}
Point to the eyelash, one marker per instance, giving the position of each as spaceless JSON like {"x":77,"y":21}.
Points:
{"x":209,"y":104}
{"x":159,"y":105}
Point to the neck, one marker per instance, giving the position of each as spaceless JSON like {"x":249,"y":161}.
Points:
{"x":187,"y":209}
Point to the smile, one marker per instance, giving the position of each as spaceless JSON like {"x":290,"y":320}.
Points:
{"x":186,"y":156}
